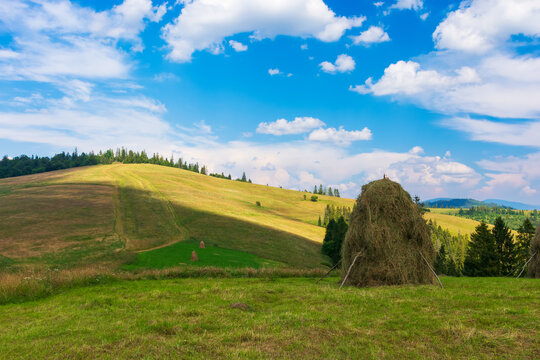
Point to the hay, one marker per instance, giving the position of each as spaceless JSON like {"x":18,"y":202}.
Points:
{"x":534,"y":265}
{"x":194,"y":256}
{"x":201,"y":245}
{"x":389,"y":233}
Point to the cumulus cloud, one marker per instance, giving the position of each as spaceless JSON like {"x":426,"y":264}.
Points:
{"x":237,"y":46}
{"x":91,"y":124}
{"x":499,"y":86}
{"x":378,"y":4}
{"x":204,"y":24}
{"x":273,"y":72}
{"x":344,"y":63}
{"x":520,"y":134}
{"x":340,"y":136}
{"x":283,"y":127}
{"x":407,"y":78}
{"x":302,"y":165}
{"x":408,"y":5}
{"x":480,"y":25}
{"x":374,"y":34}
{"x":476,"y":69}
{"x":54,"y":39}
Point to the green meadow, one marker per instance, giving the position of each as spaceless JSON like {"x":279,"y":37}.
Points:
{"x":276,"y":318}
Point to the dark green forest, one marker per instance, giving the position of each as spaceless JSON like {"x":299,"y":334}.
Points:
{"x":26,"y":165}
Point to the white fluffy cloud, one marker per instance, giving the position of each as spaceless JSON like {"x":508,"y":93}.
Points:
{"x":374,"y":34}
{"x":273,"y":72}
{"x":204,"y":24}
{"x":408,"y":5}
{"x":237,"y":46}
{"x":59,"y":38}
{"x":302,"y":165}
{"x":521,"y":134}
{"x":283,"y":127}
{"x":498,"y":86}
{"x":481,"y":25}
{"x":90,"y":124}
{"x":340,"y":136}
{"x":476,"y":70}
{"x":407,"y":78}
{"x":344,"y":63}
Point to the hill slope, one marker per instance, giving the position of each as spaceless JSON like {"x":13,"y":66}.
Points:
{"x":103,"y":214}
{"x":467,"y":203}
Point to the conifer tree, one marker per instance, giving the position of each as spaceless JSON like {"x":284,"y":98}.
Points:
{"x":525,"y":235}
{"x":333,"y":239}
{"x":440,"y":262}
{"x":505,"y":246}
{"x":481,"y":258}
{"x":330,"y":192}
{"x":244,"y":178}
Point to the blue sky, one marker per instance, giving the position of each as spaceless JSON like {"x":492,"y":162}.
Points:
{"x":442,"y":96}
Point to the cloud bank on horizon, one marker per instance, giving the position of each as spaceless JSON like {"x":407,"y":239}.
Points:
{"x":295,"y":93}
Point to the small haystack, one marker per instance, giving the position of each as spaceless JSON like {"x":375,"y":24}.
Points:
{"x":388,"y":232}
{"x":201,"y":245}
{"x":194,"y":256}
{"x":534,"y":264}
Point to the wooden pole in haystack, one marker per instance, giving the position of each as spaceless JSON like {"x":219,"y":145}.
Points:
{"x":329,"y":271}
{"x":524,"y":266}
{"x":430,"y":268}
{"x":348,"y":271}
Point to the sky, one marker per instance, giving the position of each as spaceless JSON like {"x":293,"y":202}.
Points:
{"x":441,"y":96}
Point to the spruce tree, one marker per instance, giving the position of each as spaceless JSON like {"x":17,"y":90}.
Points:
{"x":315,"y":190}
{"x":505,"y":246}
{"x":333,"y":239}
{"x":525,"y":235}
{"x":440,"y":262}
{"x":244,"y":178}
{"x":481,"y":258}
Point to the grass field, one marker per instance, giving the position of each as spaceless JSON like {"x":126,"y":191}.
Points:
{"x":209,"y":256}
{"x":455,"y":224}
{"x":476,"y":318}
{"x":100,"y":215}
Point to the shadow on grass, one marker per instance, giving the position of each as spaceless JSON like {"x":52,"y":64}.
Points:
{"x":144,"y":218}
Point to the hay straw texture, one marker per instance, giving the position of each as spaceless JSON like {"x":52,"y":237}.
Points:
{"x":388,"y":231}
{"x":534,"y":265}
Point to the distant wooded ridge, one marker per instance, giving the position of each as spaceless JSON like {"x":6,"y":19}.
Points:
{"x":468,"y":203}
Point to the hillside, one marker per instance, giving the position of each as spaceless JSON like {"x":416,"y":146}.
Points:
{"x":455,"y":203}
{"x":105,"y":214}
{"x":467,"y":203}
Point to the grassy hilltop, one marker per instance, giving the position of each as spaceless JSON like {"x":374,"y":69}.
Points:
{"x":153,"y":216}
{"x":103,"y":214}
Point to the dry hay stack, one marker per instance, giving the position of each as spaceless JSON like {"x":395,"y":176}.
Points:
{"x":534,"y":265}
{"x":388,"y":231}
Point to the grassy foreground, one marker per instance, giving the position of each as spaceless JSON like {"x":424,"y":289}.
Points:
{"x":282,"y":318}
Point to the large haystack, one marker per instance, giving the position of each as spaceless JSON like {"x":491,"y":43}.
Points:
{"x":534,"y":264}
{"x":388,"y":231}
